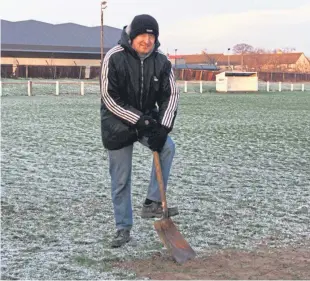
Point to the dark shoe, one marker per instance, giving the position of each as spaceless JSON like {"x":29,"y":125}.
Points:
{"x":121,"y":237}
{"x":155,"y":210}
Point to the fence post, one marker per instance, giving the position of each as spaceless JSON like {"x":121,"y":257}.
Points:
{"x":185,"y":86}
{"x":280,"y":86}
{"x":82,"y":88}
{"x":57,"y":88}
{"x":200,"y":87}
{"x":292,"y":87}
{"x":303,"y":87}
{"x":267,"y":86}
{"x":29,"y":88}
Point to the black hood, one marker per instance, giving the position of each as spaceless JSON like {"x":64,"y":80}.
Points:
{"x":126,"y":42}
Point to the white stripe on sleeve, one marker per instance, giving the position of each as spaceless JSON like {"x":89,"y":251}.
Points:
{"x":107,"y":99}
{"x":173,"y":102}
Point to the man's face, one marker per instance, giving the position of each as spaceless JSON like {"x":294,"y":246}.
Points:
{"x":143,"y":43}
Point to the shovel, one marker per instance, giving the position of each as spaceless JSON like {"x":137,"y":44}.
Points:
{"x":166,"y":229}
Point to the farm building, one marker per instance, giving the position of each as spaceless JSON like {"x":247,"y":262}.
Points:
{"x":288,"y":62}
{"x":208,"y":62}
{"x":237,"y":81}
{"x":38,"y":49}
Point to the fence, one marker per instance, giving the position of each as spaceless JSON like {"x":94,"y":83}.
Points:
{"x":207,"y":75}
{"x":80,"y":87}
{"x":41,"y":87}
{"x":79,"y":72}
{"x":210,"y":87}
{"x":48,"y":72}
{"x":283,"y":76}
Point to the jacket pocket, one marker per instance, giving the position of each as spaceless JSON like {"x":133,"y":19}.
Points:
{"x":116,"y":134}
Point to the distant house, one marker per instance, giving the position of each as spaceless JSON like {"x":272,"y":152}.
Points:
{"x":287,"y":62}
{"x":204,"y":58}
{"x":175,"y":60}
{"x":201,"y":61}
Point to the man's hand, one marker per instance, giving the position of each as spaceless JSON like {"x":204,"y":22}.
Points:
{"x":157,"y":138}
{"x":145,"y":125}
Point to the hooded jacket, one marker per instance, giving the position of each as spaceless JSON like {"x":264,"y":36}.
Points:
{"x":132,"y":87}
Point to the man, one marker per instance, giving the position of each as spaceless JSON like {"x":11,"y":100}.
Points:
{"x":139,"y":101}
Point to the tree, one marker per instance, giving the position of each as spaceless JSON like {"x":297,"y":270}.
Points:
{"x":210,"y":59}
{"x":260,"y":51}
{"x":242,"y":48}
{"x":288,"y":50}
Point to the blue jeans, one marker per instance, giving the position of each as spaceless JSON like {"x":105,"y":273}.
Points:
{"x":120,"y":162}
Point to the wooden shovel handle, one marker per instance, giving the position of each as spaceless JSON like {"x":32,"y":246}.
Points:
{"x":160,"y":181}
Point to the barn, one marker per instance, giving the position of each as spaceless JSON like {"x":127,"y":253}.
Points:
{"x":38,"y":49}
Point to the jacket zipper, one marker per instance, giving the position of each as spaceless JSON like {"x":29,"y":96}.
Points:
{"x":141,"y":93}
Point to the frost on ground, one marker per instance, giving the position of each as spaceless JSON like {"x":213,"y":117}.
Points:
{"x":240,"y":179}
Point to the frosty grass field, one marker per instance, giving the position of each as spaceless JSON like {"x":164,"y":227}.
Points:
{"x":240,"y":178}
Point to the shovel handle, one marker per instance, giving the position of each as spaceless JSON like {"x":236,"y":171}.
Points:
{"x":160,"y":182}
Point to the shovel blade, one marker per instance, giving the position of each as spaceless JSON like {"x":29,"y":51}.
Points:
{"x":173,"y":240}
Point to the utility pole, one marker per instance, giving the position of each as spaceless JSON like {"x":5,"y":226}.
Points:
{"x":103,"y":6}
{"x":228,"y":58}
{"x":175,"y":61}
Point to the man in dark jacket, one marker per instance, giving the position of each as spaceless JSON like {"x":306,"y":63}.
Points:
{"x":139,"y":100}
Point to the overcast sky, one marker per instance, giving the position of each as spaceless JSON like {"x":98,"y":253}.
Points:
{"x":187,"y":26}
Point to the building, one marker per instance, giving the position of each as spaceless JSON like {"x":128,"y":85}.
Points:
{"x":38,"y":49}
{"x":203,"y":58}
{"x":236,"y":81}
{"x":176,"y":60}
{"x":284,"y":62}
{"x":193,"y":62}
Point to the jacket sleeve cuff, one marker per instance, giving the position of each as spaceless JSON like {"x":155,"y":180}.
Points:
{"x":167,"y":129}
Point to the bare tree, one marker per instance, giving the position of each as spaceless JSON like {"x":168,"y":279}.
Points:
{"x":288,"y":50}
{"x":242,"y":48}
{"x":210,"y":59}
{"x":260,"y":51}
{"x":273,"y":63}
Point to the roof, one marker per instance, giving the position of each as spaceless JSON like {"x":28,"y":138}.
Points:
{"x":238,"y":73}
{"x":221,"y":59}
{"x":202,"y":58}
{"x":37,"y":36}
{"x":196,"y":66}
{"x":175,"y":56}
{"x":249,"y":59}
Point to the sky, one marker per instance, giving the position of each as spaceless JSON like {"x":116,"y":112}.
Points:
{"x":188,"y":26}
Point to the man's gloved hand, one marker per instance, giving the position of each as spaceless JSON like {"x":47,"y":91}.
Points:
{"x":145,"y":125}
{"x":157,"y":138}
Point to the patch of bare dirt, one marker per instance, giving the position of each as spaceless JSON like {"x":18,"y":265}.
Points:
{"x":264,"y":263}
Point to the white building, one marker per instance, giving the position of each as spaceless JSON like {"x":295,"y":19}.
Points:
{"x":233,"y":81}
